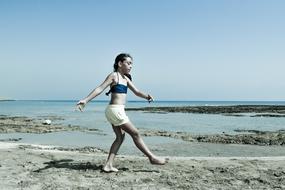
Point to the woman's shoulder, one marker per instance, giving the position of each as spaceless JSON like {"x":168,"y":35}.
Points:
{"x":112,"y":76}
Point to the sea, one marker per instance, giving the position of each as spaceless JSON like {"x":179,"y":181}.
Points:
{"x":94,"y":117}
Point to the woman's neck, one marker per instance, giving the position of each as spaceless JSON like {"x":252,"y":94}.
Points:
{"x":121,"y":73}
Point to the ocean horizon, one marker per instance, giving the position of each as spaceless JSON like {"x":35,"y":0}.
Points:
{"x":190,"y":102}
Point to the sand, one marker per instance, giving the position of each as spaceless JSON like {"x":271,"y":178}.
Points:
{"x":43,"y":167}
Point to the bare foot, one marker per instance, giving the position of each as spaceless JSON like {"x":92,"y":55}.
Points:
{"x":158,"y":161}
{"x":109,"y":169}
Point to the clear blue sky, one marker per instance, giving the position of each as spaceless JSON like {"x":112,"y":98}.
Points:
{"x":183,"y":49}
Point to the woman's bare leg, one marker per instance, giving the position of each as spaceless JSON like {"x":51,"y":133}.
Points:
{"x":132,"y":130}
{"x":120,"y":135}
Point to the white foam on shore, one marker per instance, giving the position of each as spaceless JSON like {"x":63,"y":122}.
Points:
{"x":8,"y":145}
{"x":11,"y":145}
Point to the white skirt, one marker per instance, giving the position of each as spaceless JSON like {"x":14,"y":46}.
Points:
{"x":116,"y":114}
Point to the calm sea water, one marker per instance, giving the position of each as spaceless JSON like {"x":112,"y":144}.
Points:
{"x":93,"y":117}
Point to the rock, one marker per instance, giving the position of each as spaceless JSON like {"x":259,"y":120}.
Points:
{"x":47,"y":122}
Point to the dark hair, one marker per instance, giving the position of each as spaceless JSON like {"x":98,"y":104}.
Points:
{"x":121,"y":57}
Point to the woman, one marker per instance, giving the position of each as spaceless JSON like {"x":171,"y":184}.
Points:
{"x":119,"y":82}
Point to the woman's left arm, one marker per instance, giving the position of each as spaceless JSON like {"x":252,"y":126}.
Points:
{"x":138,"y":93}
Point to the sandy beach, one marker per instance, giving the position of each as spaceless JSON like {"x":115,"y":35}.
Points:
{"x":43,"y":167}
{"x":34,"y":166}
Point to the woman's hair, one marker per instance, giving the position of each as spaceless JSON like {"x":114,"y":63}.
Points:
{"x":121,"y":57}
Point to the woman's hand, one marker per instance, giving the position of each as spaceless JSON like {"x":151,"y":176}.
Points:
{"x":149,"y":98}
{"x":81,"y":104}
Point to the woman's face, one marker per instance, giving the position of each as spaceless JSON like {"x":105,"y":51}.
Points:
{"x":126,"y":65}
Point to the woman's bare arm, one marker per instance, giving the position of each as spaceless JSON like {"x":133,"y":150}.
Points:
{"x":137,"y":92}
{"x":108,"y":81}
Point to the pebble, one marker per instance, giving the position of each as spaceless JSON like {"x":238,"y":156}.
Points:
{"x":47,"y":122}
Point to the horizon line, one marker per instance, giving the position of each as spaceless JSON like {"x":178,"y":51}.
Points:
{"x":146,"y":100}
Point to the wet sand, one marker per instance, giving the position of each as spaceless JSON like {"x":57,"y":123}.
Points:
{"x":41,"y":167}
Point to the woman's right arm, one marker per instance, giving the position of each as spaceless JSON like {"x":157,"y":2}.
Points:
{"x":108,"y":81}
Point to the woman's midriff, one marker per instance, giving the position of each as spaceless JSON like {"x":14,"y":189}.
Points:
{"x":118,"y":99}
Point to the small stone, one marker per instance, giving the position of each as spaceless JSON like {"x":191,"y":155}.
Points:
{"x":47,"y":122}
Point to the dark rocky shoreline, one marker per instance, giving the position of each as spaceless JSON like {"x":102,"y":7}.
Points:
{"x":249,"y":137}
{"x":260,"y":110}
{"x":23,"y":124}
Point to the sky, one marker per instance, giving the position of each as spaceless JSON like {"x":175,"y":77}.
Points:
{"x":197,"y":50}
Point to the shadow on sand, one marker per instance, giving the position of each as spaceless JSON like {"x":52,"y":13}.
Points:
{"x":70,"y":164}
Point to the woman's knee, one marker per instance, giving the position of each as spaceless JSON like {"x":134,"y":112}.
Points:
{"x":135,"y":134}
{"x":120,"y":138}
{"x":131,"y":130}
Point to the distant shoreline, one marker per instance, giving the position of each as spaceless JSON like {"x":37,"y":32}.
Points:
{"x":236,"y":102}
{"x":6,"y":100}
{"x":230,"y":110}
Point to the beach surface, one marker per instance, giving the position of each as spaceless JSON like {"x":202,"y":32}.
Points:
{"x":247,"y":159}
{"x":26,"y":166}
